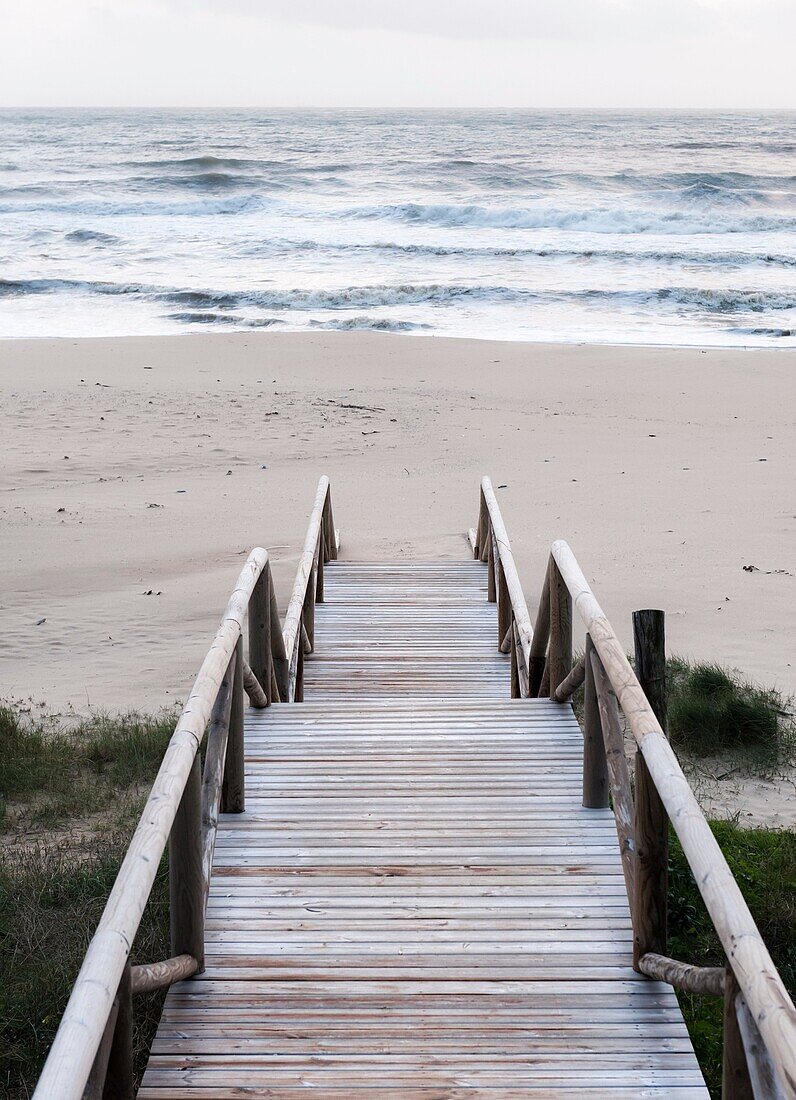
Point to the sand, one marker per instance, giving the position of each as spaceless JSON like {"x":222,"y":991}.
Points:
{"x":138,"y":472}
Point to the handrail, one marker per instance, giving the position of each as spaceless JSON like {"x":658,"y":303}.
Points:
{"x":662,"y":795}
{"x":90,"y":1005}
{"x":492,"y":532}
{"x":320,"y":546}
{"x":91,"y":1055}
{"x":754,"y":970}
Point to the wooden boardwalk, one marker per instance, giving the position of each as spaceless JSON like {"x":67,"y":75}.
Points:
{"x":415,"y":901}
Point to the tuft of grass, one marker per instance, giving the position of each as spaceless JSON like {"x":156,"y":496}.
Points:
{"x":125,"y":748}
{"x":763,"y":862}
{"x":712,"y":711}
{"x":50,"y":773}
{"x":50,"y":903}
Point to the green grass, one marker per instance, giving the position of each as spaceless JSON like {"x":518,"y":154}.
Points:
{"x":83,"y":785}
{"x":50,"y":773}
{"x":50,"y":903}
{"x":712,"y":711}
{"x":763,"y":862}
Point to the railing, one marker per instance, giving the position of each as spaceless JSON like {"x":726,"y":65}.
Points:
{"x":321,"y":545}
{"x":759,"y":1017}
{"x":91,"y":1055}
{"x":490,"y":543}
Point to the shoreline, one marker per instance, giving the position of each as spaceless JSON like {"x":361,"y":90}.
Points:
{"x":232,"y":330}
{"x":667,"y":469}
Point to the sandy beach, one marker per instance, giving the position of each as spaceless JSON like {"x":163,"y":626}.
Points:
{"x":138,"y":472}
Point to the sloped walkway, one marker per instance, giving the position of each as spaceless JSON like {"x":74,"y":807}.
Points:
{"x":415,"y":902}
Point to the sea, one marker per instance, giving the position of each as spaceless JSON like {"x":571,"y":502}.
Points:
{"x":672,"y":228}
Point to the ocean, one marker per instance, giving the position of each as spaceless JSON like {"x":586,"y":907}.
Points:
{"x":621,"y":227}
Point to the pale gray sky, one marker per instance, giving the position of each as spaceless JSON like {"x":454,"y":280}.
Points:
{"x":398,"y":53}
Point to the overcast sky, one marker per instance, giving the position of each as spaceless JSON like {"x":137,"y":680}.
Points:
{"x":398,"y":53}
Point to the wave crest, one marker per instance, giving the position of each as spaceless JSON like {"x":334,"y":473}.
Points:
{"x":597,"y":219}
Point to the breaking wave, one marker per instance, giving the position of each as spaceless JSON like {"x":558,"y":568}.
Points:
{"x":596,"y":219}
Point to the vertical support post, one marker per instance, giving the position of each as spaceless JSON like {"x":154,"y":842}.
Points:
{"x":482,"y":535}
{"x":541,"y":634}
{"x":280,"y":658}
{"x":735,"y":1081}
{"x":321,"y":560}
{"x":649,"y":638}
{"x":298,"y":697}
{"x":233,"y":786}
{"x":119,"y":1074}
{"x":260,"y":631}
{"x":328,"y":519}
{"x":595,"y":765}
{"x":308,"y":610}
{"x":560,"y":653}
{"x":491,"y":594}
{"x":652,"y":823}
{"x":516,"y":655}
{"x":504,"y":616}
{"x":96,"y":1079}
{"x":186,"y":885}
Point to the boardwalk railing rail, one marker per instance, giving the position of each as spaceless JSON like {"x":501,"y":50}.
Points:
{"x":759,"y":1016}
{"x":490,"y":543}
{"x":92,"y":1053}
{"x":321,"y":545}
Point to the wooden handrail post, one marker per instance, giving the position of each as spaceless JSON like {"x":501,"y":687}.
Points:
{"x":595,"y":765}
{"x":321,"y":561}
{"x":513,"y":655}
{"x":298,"y":696}
{"x":651,"y":879}
{"x":482,"y":536}
{"x":652,"y":823}
{"x":186,"y":884}
{"x":119,"y":1073}
{"x":308,"y":610}
{"x":260,"y":631}
{"x":233,"y":785}
{"x":480,"y":527}
{"x":504,"y":615}
{"x":330,"y":548}
{"x":560,"y":653}
{"x":541,"y":635}
{"x":491,"y":588}
{"x":280,"y":658}
{"x":735,"y":1081}
{"x":618,"y":771}
{"x":95,"y":1083}
{"x":649,"y":638}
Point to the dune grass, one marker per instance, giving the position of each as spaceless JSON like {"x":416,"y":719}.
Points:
{"x":70,"y":796}
{"x":51,"y":772}
{"x":50,"y":903}
{"x":763,"y":862}
{"x":714,"y":711}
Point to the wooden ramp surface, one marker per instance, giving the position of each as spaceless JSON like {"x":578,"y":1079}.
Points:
{"x":415,"y":902}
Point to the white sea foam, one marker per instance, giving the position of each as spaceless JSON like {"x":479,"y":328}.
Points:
{"x":594,"y":219}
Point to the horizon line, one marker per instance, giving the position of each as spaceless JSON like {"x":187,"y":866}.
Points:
{"x":390,"y":108}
